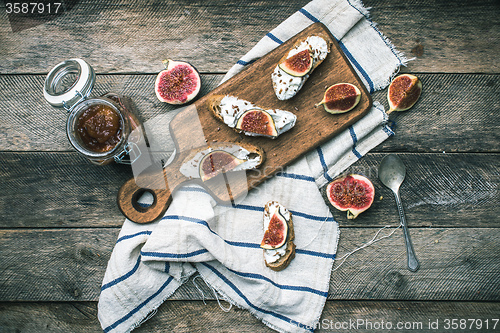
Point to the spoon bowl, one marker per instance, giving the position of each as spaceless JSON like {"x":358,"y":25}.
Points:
{"x":391,"y":173}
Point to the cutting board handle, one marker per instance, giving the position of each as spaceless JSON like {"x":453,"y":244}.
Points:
{"x":161,"y":190}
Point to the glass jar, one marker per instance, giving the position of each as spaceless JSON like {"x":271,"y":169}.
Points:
{"x":103,"y":129}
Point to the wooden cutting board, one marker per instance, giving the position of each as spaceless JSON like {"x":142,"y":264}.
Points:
{"x":195,"y":126}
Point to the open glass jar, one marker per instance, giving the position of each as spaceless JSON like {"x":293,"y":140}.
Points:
{"x":103,"y":129}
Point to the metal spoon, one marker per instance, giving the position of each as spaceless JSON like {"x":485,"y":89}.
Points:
{"x":391,"y":173}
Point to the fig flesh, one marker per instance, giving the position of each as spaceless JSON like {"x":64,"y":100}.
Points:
{"x":340,"y":98}
{"x":178,"y":83}
{"x":275,"y":235}
{"x":403,"y":92}
{"x":351,"y":193}
{"x":299,"y":64}
{"x":257,"y":121}
{"x":216,"y":162}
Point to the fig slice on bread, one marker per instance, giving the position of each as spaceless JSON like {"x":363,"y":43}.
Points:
{"x":295,"y":67}
{"x":207,"y":162}
{"x":277,"y":242}
{"x":249,"y":119}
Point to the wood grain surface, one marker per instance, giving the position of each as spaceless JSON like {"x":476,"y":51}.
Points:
{"x":60,"y":222}
{"x":213,"y":35}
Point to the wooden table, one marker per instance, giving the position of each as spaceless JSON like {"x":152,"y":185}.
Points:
{"x":60,"y":220}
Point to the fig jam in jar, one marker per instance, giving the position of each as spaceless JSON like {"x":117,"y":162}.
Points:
{"x":99,"y":128}
{"x":103,"y":129}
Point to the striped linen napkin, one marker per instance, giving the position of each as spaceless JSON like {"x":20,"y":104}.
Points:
{"x":198,"y":237}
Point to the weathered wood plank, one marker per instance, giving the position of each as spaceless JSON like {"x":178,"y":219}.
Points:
{"x":30,"y":123}
{"x":59,"y":189}
{"x":138,"y":35}
{"x":47,"y":190}
{"x":456,"y":113}
{"x":127,"y":36}
{"x":195,"y":316}
{"x":457,"y":264}
{"x":442,"y":36}
{"x":438,"y":190}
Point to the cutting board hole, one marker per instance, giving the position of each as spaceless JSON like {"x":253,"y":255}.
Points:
{"x":143,"y":200}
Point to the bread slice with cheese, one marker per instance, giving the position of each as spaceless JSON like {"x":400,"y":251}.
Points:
{"x":247,"y":118}
{"x":278,"y":258}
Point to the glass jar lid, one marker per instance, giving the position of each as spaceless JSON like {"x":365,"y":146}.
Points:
{"x":68,"y":83}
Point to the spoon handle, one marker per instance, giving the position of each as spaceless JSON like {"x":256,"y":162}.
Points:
{"x":413,"y":264}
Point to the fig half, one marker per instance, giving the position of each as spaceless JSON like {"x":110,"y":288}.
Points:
{"x":178,"y":83}
{"x":257,"y":121}
{"x":403,"y":92}
{"x":217,"y":162}
{"x":275,"y":235}
{"x":351,"y":193}
{"x":340,"y":98}
{"x":299,"y":64}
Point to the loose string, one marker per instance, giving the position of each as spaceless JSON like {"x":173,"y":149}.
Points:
{"x":214,"y":292}
{"x":199,"y":289}
{"x":328,"y":215}
{"x":149,"y":316}
{"x":373,"y":240}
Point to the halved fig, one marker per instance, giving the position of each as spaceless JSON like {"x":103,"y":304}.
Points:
{"x":275,"y":235}
{"x":351,"y":193}
{"x":178,"y":83}
{"x":257,"y":121}
{"x":299,"y":64}
{"x":403,"y":92}
{"x":340,"y":98}
{"x":216,"y":162}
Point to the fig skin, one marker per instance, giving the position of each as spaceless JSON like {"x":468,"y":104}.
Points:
{"x":179,"y":83}
{"x":404,"y":91}
{"x":352,"y":193}
{"x":303,"y":58}
{"x":340,"y":98}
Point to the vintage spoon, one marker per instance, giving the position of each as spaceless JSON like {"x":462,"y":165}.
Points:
{"x":391,"y":173}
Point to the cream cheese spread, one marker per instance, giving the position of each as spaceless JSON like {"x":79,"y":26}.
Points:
{"x":286,"y":85}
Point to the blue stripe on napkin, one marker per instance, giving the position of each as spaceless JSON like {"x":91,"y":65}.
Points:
{"x":147,"y":232}
{"x":236,"y":290}
{"x":323,"y":164}
{"x":123,"y":277}
{"x":274,"y":38}
{"x":280,"y":286}
{"x":354,"y":141}
{"x":316,"y":253}
{"x":174,"y":255}
{"x":374,"y":27}
{"x":295,"y":176}
{"x":296,"y":213}
{"x":140,"y":306}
